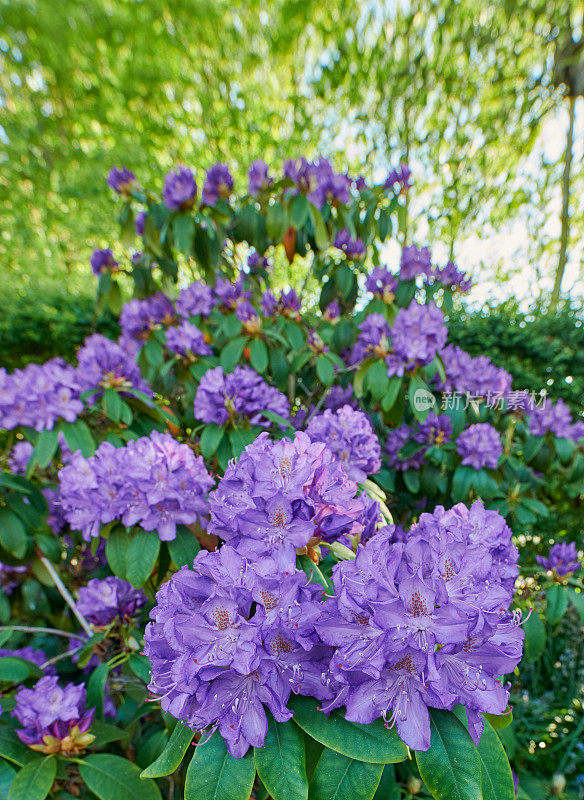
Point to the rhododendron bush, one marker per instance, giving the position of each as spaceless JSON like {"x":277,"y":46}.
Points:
{"x":294,"y":530}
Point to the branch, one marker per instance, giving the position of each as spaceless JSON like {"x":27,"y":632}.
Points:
{"x":64,"y":592}
{"x":28,"y":629}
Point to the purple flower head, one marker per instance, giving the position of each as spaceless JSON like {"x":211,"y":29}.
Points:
{"x":268,"y":303}
{"x":338,"y":397}
{"x":406,"y":447}
{"x":180,"y":189}
{"x":360,"y":184}
{"x":554,"y":417}
{"x":228,"y":294}
{"x":242,"y":393}
{"x":414,"y":261}
{"x":418,"y":333}
{"x":350,"y":436}
{"x":248,"y":317}
{"x":373,"y":339}
{"x":399,"y":179}
{"x":435,"y":430}
{"x":103,"y":364}
{"x":396,"y":440}
{"x":121,"y":180}
{"x":56,"y":518}
{"x":194,"y":300}
{"x":332,"y":312}
{"x":54,"y":719}
{"x":103,"y":261}
{"x":259,"y":180}
{"x":316,"y":344}
{"x":480,"y":446}
{"x":451,"y":276}
{"x":104,"y":600}
{"x":256,"y":262}
{"x":187,"y":340}
{"x":229,"y":639}
{"x":19,"y":457}
{"x":39,"y":395}
{"x":153,"y":481}
{"x":289,"y":304}
{"x":425,"y":623}
{"x":562,"y":559}
{"x":140,"y":223}
{"x":353,"y":248}
{"x":382,"y":283}
{"x":318,"y":181}
{"x":477,"y":376}
{"x":218,"y":184}
{"x":140,"y":317}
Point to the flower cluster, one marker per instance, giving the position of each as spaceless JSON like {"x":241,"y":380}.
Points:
{"x":318,"y":181}
{"x":477,"y":376}
{"x":451,"y":276}
{"x":187,"y":340}
{"x":414,"y":261}
{"x":555,"y":417}
{"x":121,"y":180}
{"x":140,"y":317}
{"x":228,"y":640}
{"x":103,"y":601}
{"x":480,"y":446}
{"x":417,"y":334}
{"x":153,"y":481}
{"x":425,"y":623}
{"x":282,"y":496}
{"x":180,"y":189}
{"x":373,"y":339}
{"x":287,"y":306}
{"x":103,"y":261}
{"x":258,"y":177}
{"x":229,"y":294}
{"x":352,"y":248}
{"x":218,"y":184}
{"x":240,"y":394}
{"x":433,"y":432}
{"x":382,"y":283}
{"x":105,"y":364}
{"x":29,"y":654}
{"x":195,"y":299}
{"x":39,"y":395}
{"x":54,"y":719}
{"x":350,"y":436}
{"x":561,"y":559}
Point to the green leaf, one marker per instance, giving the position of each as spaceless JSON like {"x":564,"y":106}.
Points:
{"x":325,"y":370}
{"x":140,"y":666}
{"x":183,"y":228}
{"x":535,"y":637}
{"x":154,"y":353}
{"x":141,"y":558}
{"x":412,"y":480}
{"x":557,"y":603}
{"x":279,"y":367}
{"x":258,"y":355}
{"x":184,"y":548}
{"x":344,"y":280}
{"x":16,"y":670}
{"x":240,"y":438}
{"x":372,"y":743}
{"x":392,"y":391}
{"x":211,"y":438}
{"x":113,"y":778}
{"x":500,"y":721}
{"x":78,"y":437}
{"x":321,"y":236}
{"x":281,"y":762}
{"x":294,"y":335}
{"x":299,"y":211}
{"x":577,"y":600}
{"x":105,"y":733}
{"x":44,"y":450}
{"x":420,"y":398}
{"x":462,"y":482}
{"x":215,"y":775}
{"x":313,"y":571}
{"x":116,"y":550}
{"x":7,"y":773}
{"x":231,"y":353}
{"x":34,"y":781}
{"x":172,"y":755}
{"x":496,"y":777}
{"x":388,"y":789}
{"x":96,"y":689}
{"x":376,"y":380}
{"x":338,"y":777}
{"x":451,"y":767}
{"x":113,"y":404}
{"x":276,"y":223}
{"x":12,"y":749}
{"x":13,"y":537}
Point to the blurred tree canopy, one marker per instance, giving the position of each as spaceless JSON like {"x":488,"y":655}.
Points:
{"x":459,"y":88}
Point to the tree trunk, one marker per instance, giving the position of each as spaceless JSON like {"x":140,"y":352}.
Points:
{"x":565,"y":209}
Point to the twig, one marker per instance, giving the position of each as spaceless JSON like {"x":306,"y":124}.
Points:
{"x":64,"y":592}
{"x":60,"y":657}
{"x":28,"y":629}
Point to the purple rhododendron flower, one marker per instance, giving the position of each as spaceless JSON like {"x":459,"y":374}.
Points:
{"x":103,"y":261}
{"x":414,"y":261}
{"x":338,"y":397}
{"x":425,"y":623}
{"x":218,"y":184}
{"x":153,"y":481}
{"x":194,"y":300}
{"x":480,"y":446}
{"x":121,"y":180}
{"x":418,"y":333}
{"x":353,"y":248}
{"x":396,"y":439}
{"x":242,"y":393}
{"x":382,"y":283}
{"x":19,"y":457}
{"x":477,"y":376}
{"x":39,"y":395}
{"x":561,"y":559}
{"x":258,"y":177}
{"x":248,"y":317}
{"x":139,"y":317}
{"x":229,"y":639}
{"x":256,"y":262}
{"x":56,"y":518}
{"x":350,"y":436}
{"x":186,"y":339}
{"x":268,"y":303}
{"x":332,"y":312}
{"x":104,"y":600}
{"x":8,"y":574}
{"x":554,"y":417}
{"x":318,"y":181}
{"x":140,"y":223}
{"x":104,"y":364}
{"x":180,"y":189}
{"x":451,"y":276}
{"x":399,"y":179}
{"x":54,"y":719}
{"x":228,"y":293}
{"x":373,"y":339}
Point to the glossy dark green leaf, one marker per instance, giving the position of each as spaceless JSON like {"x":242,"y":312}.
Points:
{"x":172,"y":755}
{"x":78,"y":437}
{"x":115,"y":778}
{"x":141,"y":558}
{"x":325,"y":370}
{"x":313,"y":572}
{"x":258,"y":355}
{"x":44,"y":449}
{"x":96,"y":689}
{"x":183,"y":228}
{"x":577,"y":600}
{"x":376,"y":380}
{"x":388,"y":788}
{"x":556,"y":602}
{"x":338,"y":777}
{"x":7,"y":773}
{"x":535,"y":637}
{"x":140,"y":666}
{"x":15,"y":669}
{"x":116,"y":550}
{"x":451,"y":767}
{"x":281,"y":762}
{"x":420,"y":398}
{"x":215,"y":775}
{"x":34,"y":780}
{"x":211,"y":438}
{"x":13,"y":537}
{"x":12,"y":749}
{"x":184,"y":548}
{"x":372,"y":743}
{"x":299,"y":211}
{"x":232,"y":352}
{"x":496,"y":777}
{"x":499,"y":721}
